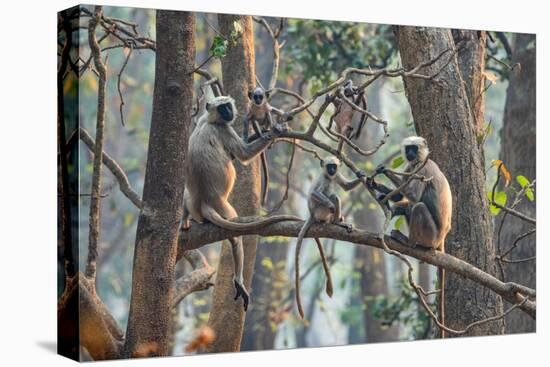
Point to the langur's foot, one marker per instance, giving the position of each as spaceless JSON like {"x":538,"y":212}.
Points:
{"x":347,"y":226}
{"x":400,"y":237}
{"x":241,"y":292}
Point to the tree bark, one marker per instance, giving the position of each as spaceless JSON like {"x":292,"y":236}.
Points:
{"x":471,"y":62}
{"x":443,"y":116}
{"x":227,"y":316}
{"x":518,"y":152}
{"x":149,"y":318}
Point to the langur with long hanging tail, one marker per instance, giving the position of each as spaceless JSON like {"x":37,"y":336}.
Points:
{"x":210,"y":176}
{"x":324,"y":207}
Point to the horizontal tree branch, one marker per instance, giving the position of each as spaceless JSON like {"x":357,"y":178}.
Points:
{"x":201,"y":234}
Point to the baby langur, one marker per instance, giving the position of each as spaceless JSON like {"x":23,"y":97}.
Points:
{"x":259,"y":114}
{"x":324,"y":207}
{"x":343,"y":115}
{"x":210,"y":176}
{"x":426,"y":204}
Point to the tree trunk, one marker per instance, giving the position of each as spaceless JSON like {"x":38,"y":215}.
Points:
{"x":471,"y":62}
{"x":442,"y":115}
{"x":227,"y":316}
{"x":371,"y":262}
{"x":148,"y":331}
{"x":518,"y":152}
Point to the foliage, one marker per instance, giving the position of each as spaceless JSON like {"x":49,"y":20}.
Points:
{"x":403,"y":309}
{"x":320,"y":49}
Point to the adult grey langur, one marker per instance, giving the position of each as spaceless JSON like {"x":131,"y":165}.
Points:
{"x":426,"y":203}
{"x":210,"y":176}
{"x":324,"y":207}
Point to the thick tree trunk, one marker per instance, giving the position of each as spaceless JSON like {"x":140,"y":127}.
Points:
{"x":442,"y":115}
{"x":518,"y":152}
{"x":148,"y":329}
{"x":227,"y":316}
{"x":471,"y":62}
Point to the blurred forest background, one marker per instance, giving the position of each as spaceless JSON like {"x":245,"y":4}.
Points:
{"x":372,"y":302}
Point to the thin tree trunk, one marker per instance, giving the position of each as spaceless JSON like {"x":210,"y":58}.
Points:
{"x":371,"y":262}
{"x":227,"y":316}
{"x":518,"y":152}
{"x":442,"y":115}
{"x":148,"y":331}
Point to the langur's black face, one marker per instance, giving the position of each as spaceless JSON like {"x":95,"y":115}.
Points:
{"x":258,"y":96}
{"x":348,"y":92}
{"x":226,"y":111}
{"x":411,"y":152}
{"x":331,"y":169}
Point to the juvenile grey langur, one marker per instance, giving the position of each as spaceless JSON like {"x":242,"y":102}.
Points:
{"x":210,"y":176}
{"x":324,"y":207}
{"x":343,"y":115}
{"x":260,"y":116}
{"x":426,"y":204}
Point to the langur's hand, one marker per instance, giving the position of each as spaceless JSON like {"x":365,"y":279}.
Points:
{"x":371,"y":183}
{"x":267,"y":136}
{"x":381,"y":169}
{"x":360,"y":174}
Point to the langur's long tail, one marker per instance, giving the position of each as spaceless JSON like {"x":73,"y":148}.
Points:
{"x":301,"y":235}
{"x":329,"y":288}
{"x":265,"y":170}
{"x":213,"y":216}
{"x":441,"y":276}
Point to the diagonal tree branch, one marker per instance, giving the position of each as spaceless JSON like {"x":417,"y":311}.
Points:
{"x":115,"y":169}
{"x":201,"y":234}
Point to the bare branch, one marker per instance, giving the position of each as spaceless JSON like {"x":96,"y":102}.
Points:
{"x":115,"y":169}
{"x":98,"y":149}
{"x":197,"y":280}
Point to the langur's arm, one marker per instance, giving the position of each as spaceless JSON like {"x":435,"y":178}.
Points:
{"x":386,"y":190}
{"x":242,"y":151}
{"x":348,"y":185}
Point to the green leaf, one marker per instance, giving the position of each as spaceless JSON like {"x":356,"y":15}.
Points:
{"x":500,"y":198}
{"x":522,"y":180}
{"x":397,"y":162}
{"x":219,"y":47}
{"x":399,"y":222}
{"x":530,"y":194}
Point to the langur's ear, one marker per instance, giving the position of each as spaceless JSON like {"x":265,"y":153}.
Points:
{"x":267,"y":94}
{"x":208,"y":106}
{"x":322,"y":163}
{"x":249,"y":94}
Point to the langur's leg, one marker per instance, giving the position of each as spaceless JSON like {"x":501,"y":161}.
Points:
{"x":228,"y":212}
{"x":257,"y":129}
{"x":238,"y":264}
{"x":422,"y":228}
{"x":401,"y":208}
{"x":338,"y":219}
